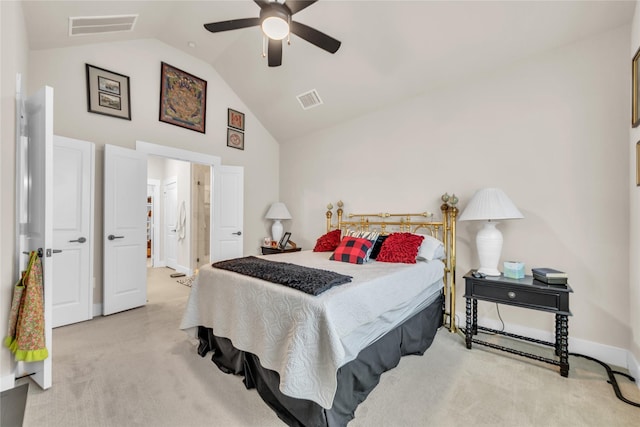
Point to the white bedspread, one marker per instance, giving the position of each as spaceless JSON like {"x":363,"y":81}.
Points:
{"x":307,"y":338}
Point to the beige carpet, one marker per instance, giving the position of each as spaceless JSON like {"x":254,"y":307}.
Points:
{"x":138,"y":369}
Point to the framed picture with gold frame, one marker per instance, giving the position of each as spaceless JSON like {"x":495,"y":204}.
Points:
{"x":635,"y":88}
{"x":638,"y":163}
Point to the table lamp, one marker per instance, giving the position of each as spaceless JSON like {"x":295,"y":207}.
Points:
{"x":489,"y":205}
{"x":277,"y":212}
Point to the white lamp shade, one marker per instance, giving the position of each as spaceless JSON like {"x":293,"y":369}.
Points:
{"x":277,"y":212}
{"x":490,"y":204}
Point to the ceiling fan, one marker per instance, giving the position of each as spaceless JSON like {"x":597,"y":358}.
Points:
{"x":276,"y":23}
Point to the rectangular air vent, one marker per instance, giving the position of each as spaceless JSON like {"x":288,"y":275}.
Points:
{"x":309,"y":99}
{"x":85,"y":25}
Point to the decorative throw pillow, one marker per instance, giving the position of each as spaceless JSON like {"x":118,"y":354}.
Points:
{"x":377,"y":245}
{"x":400,"y":247}
{"x":328,"y":242}
{"x":431,"y":248}
{"x":372,"y":236}
{"x":352,"y":250}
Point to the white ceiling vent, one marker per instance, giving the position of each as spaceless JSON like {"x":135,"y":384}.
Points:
{"x":85,"y":25}
{"x":309,"y":99}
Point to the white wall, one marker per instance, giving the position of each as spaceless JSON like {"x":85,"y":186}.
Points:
{"x":634,"y":197}
{"x":550,"y":131}
{"x":64,"y":70}
{"x":13,"y":57}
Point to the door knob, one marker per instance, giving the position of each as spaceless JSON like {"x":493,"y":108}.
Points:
{"x":112,"y":237}
{"x":79,"y":240}
{"x":238,"y":233}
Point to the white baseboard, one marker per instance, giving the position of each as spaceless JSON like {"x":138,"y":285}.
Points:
{"x":7,"y":382}
{"x":97,"y":309}
{"x":184,"y":270}
{"x":634,"y":368}
{"x":610,"y":355}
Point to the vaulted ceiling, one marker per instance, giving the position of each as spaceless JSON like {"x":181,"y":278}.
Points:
{"x":391,"y":50}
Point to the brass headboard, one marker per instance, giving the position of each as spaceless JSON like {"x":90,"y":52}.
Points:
{"x":444,"y":230}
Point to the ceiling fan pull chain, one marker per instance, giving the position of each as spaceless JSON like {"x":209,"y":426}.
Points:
{"x":289,"y":32}
{"x":264,"y":46}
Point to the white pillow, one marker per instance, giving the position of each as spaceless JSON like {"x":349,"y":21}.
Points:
{"x":430,"y":248}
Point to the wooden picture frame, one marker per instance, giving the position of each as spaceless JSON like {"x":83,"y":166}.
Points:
{"x":183,"y":98}
{"x":235,"y":139}
{"x":284,"y":240}
{"x":635,"y":88}
{"x":638,"y":164}
{"x":108,"y":93}
{"x":235,"y":119}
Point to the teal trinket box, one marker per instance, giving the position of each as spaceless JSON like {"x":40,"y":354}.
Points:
{"x":514,"y":269}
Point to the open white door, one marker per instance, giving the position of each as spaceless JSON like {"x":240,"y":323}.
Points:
{"x":125,"y":233}
{"x":228,"y":220}
{"x":73,"y":180}
{"x":35,"y":210}
{"x":171,"y":222}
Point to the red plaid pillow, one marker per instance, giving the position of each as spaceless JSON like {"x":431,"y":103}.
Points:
{"x":400,"y":247}
{"x":328,"y":242}
{"x":352,"y":250}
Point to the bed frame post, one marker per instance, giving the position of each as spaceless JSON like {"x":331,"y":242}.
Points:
{"x":449,"y":214}
{"x":329,"y":214}
{"x":339,"y":212}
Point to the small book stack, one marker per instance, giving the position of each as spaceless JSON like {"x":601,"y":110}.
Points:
{"x":550,"y":276}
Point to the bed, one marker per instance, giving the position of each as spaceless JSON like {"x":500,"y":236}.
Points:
{"x":314,"y":358}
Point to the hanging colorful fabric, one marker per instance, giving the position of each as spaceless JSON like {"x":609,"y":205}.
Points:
{"x":28,"y":342}
{"x":16,"y":302}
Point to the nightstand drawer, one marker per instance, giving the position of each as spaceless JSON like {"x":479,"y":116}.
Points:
{"x":517,"y":296}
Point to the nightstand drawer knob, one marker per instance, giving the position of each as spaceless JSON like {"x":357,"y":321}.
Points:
{"x":511,"y":294}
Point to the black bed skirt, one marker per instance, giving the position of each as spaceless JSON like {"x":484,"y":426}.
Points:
{"x":356,"y":379}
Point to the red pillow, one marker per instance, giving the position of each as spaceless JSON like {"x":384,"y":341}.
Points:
{"x":400,"y":247}
{"x":328,"y":242}
{"x":352,"y":249}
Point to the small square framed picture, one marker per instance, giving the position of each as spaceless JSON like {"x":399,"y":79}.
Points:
{"x":235,"y":119}
{"x":235,"y":139}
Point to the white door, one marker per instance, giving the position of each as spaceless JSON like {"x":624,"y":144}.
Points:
{"x":35,"y":209}
{"x":125,"y":232}
{"x":171,"y":222}
{"x":73,"y":180}
{"x":229,"y":225}
{"x":153,"y":190}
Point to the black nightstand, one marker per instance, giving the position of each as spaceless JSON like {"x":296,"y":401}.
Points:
{"x":268,"y":250}
{"x":525,"y":293}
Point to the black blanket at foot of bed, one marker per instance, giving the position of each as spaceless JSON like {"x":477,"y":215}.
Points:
{"x":356,"y":379}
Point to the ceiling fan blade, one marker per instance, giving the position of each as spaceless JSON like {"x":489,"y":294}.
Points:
{"x":296,"y":6}
{"x":234,"y":24}
{"x":274,"y":54}
{"x":262,"y":3}
{"x":315,"y":37}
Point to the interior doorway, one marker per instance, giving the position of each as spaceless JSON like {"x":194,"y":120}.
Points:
{"x":178,"y":214}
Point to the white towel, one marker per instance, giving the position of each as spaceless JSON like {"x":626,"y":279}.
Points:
{"x":181,"y":223}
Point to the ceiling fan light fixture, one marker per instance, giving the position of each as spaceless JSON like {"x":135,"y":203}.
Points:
{"x":275,"y":27}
